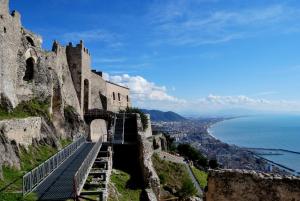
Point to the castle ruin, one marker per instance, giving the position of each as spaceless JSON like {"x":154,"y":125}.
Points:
{"x":63,"y":76}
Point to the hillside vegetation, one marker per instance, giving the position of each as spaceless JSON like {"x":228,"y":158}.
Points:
{"x":26,"y":109}
{"x":11,"y":184}
{"x":121,"y":190}
{"x":174,"y":178}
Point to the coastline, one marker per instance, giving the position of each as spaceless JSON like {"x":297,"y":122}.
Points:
{"x":253,"y":150}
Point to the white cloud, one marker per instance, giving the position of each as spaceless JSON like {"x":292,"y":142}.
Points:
{"x":144,"y":92}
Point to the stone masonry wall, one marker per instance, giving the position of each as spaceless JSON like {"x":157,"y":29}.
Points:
{"x":114,"y":104}
{"x":22,"y":131}
{"x":238,"y":185}
{"x":151,"y":179}
{"x":98,"y":86}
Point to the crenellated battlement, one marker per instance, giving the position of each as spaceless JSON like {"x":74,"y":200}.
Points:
{"x":57,"y":48}
{"x":79,"y":48}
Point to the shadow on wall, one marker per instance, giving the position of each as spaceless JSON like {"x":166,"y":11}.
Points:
{"x":126,"y":159}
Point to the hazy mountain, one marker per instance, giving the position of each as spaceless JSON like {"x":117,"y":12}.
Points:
{"x":157,"y":115}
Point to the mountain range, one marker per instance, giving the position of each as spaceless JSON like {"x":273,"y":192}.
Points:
{"x":157,"y":115}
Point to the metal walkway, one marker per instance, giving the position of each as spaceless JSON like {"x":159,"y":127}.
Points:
{"x":59,"y":185}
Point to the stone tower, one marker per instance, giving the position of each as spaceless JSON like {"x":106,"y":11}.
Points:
{"x":4,"y":8}
{"x":79,"y":61}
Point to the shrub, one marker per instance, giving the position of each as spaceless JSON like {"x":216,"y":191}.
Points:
{"x":188,"y":189}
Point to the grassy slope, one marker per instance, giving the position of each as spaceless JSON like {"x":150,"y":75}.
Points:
{"x":120,"y":180}
{"x":173,"y":176}
{"x":201,"y":176}
{"x":31,"y":158}
{"x":26,"y":109}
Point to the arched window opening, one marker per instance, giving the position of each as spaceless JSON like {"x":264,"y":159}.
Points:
{"x":29,"y":69}
{"x":30,"y":41}
{"x":86,"y":96}
{"x":114,"y":96}
{"x":119,"y":96}
{"x":4,"y":29}
{"x":127,"y":97}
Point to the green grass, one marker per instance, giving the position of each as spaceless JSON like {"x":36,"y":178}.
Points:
{"x":174,"y":176}
{"x":11,"y":185}
{"x":12,"y":179}
{"x":201,"y":176}
{"x":34,"y":156}
{"x":120,"y":180}
{"x":26,"y":109}
{"x":17,"y":197}
{"x":65,"y":142}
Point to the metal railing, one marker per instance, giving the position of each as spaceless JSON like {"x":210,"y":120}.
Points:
{"x":33,"y":178}
{"x":83,"y":172}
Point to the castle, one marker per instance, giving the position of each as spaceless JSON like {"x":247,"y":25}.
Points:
{"x":63,"y":75}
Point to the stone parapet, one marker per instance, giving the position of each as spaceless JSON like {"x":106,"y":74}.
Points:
{"x":244,"y":185}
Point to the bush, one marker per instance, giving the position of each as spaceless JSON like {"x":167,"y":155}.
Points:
{"x":188,"y":189}
{"x":143,"y":116}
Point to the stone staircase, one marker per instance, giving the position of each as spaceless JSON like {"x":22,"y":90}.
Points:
{"x":98,"y":178}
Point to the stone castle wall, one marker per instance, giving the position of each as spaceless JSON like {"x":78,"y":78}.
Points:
{"x":22,"y":131}
{"x":238,"y":185}
{"x":114,"y":103}
{"x":98,"y":87}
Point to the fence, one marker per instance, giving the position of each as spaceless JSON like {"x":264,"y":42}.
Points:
{"x":83,"y":172}
{"x":33,"y":178}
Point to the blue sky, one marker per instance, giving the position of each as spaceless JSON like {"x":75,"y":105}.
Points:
{"x":190,"y":56}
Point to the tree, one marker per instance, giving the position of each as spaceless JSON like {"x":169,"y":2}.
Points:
{"x":192,"y":154}
{"x":213,"y":164}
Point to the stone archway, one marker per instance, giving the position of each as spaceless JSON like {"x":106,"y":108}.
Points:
{"x":98,"y":128}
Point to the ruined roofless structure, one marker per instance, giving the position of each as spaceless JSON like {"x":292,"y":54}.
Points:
{"x":62,"y":76}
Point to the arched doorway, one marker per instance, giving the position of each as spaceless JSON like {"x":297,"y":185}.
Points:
{"x":29,"y":71}
{"x":98,"y":128}
{"x":86,"y":96}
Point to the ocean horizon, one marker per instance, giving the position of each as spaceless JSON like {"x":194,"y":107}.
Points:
{"x":264,"y":131}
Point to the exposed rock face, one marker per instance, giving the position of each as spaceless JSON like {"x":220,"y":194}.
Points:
{"x":238,"y":185}
{"x":8,"y":154}
{"x":151,"y":180}
{"x":23,"y":132}
{"x":74,"y":125}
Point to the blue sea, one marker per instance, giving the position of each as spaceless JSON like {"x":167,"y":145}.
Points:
{"x":265,"y":131}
